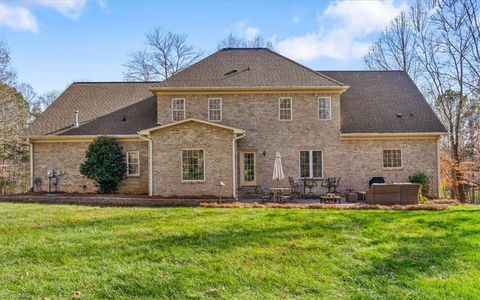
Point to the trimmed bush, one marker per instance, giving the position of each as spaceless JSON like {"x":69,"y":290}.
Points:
{"x":422,"y":179}
{"x":105,"y":164}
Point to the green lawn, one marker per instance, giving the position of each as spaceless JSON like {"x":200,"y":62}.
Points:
{"x":61,"y":251}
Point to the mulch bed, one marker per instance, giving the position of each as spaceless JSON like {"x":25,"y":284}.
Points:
{"x":359,"y":206}
{"x":109,"y":200}
{"x":128,"y":200}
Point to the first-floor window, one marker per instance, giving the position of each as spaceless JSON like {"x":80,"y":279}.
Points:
{"x":193,"y":165}
{"x":178,"y":109}
{"x":392,"y":158}
{"x":311,"y":164}
{"x":133,"y":163}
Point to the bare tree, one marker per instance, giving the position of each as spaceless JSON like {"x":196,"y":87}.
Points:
{"x":27,"y":92}
{"x":168,"y":54}
{"x":43,"y":101}
{"x":395,"y":48}
{"x":7,"y":74}
{"x":13,"y":150}
{"x":232,"y":41}
{"x":140,"y":67}
{"x":472,"y":13}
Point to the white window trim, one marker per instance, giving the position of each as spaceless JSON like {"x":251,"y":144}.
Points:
{"x":291,"y":109}
{"x":310,"y":165}
{"x":204,"y":166}
{"x":184,"y":107}
{"x":329,"y":111}
{"x":401,"y":159}
{"x":128,"y":164}
{"x":221,"y":109}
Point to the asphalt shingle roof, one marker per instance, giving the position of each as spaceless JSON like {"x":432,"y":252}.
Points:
{"x":128,"y":120}
{"x":257,"y":67}
{"x":92,"y":100}
{"x":375,"y":102}
{"x":374,"y":99}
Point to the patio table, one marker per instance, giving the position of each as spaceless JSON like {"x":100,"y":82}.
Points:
{"x":310,"y":184}
{"x":278,"y":191}
{"x":330,"y":197}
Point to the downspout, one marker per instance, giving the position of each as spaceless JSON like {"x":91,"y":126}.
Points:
{"x":438,"y":168}
{"x":31,"y":163}
{"x":150,"y":163}
{"x":234,"y":154}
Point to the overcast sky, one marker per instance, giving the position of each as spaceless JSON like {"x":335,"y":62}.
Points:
{"x":56,"y":42}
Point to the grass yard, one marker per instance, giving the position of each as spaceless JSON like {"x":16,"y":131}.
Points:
{"x":62,"y":251}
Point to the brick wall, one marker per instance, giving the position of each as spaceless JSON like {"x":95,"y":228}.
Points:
{"x":355,"y":161}
{"x":66,"y":159}
{"x":167,"y":146}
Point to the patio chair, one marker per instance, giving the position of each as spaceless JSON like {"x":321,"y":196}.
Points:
{"x":296,"y":187}
{"x":263,"y":192}
{"x":285,"y":196}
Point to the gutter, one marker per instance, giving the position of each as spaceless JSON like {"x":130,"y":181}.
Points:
{"x":78,"y":138}
{"x":234,"y":163}
{"x":400,"y":135}
{"x":242,"y":89}
{"x":150,"y":163}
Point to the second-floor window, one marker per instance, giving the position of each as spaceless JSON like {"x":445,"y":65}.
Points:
{"x":324,"y":108}
{"x":178,"y":109}
{"x":214,"y":109}
{"x":285,"y":109}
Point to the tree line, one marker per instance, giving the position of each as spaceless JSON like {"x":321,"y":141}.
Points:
{"x":437,"y":42}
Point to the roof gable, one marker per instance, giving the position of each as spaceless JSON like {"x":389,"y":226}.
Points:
{"x":249,"y":67}
{"x":235,"y":130}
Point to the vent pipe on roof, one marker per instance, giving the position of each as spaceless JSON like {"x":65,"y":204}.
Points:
{"x":76,"y":119}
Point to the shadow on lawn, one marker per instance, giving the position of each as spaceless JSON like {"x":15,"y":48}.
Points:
{"x":443,"y":249}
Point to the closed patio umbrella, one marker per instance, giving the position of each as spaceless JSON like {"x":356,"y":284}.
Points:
{"x":277,"y":168}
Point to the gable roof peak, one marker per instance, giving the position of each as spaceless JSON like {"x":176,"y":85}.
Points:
{"x":256,"y":67}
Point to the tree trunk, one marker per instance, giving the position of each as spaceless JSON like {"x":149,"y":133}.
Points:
{"x":457,"y":184}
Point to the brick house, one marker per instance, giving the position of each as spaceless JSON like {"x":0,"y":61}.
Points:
{"x":223,"y":119}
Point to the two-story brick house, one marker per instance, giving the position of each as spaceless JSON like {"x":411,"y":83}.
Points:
{"x":224,"y":118}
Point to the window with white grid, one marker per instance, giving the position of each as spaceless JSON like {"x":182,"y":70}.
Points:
{"x":178,"y":109}
{"x":392,"y":158}
{"x":193,"y":165}
{"x":133,"y":163}
{"x":285,"y":108}
{"x":311,"y":164}
{"x":214,"y":109}
{"x":324,"y":108}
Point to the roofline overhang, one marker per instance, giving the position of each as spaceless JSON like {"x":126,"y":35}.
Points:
{"x":247,"y":90}
{"x":392,"y":136}
{"x":149,"y":130}
{"x":80,"y":138}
